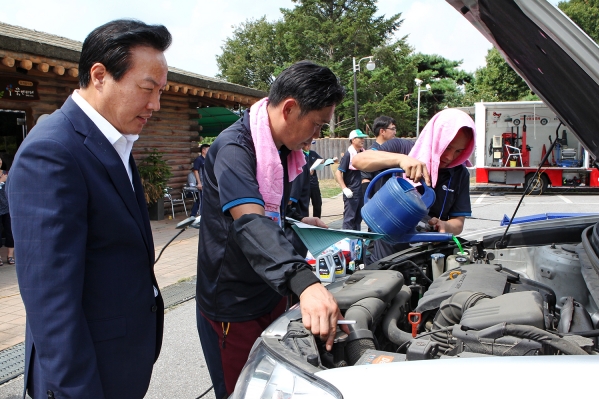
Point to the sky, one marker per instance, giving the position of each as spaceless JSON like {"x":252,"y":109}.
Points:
{"x":200,"y":27}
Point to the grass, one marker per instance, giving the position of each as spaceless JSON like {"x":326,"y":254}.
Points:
{"x":329,"y":188}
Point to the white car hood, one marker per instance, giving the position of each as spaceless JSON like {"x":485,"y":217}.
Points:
{"x":486,"y":377}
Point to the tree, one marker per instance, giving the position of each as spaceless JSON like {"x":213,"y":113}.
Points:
{"x":334,"y":31}
{"x":329,"y":32}
{"x":497,"y":81}
{"x":254,"y":55}
{"x":446,"y":81}
{"x":585,"y":13}
{"x":388,"y":87}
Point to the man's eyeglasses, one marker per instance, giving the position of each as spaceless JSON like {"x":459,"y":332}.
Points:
{"x":391,"y":128}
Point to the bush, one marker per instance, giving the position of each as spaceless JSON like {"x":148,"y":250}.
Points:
{"x":154,"y":173}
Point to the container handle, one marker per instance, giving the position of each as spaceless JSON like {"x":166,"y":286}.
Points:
{"x":377,"y":177}
{"x":429,"y":195}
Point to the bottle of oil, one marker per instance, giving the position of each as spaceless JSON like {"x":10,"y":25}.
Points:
{"x":325,"y":268}
{"x":339,"y":261}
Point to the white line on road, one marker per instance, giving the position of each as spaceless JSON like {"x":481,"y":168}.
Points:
{"x":566,"y":200}
{"x":480,"y":199}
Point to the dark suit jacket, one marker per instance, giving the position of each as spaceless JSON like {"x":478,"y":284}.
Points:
{"x":85,"y":263}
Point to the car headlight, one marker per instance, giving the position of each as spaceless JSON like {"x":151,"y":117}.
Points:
{"x":268,"y":376}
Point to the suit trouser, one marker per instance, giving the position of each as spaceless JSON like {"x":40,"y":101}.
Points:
{"x":352,"y":210}
{"x":226,"y":356}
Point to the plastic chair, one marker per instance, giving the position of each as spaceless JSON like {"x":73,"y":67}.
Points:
{"x":168,"y":195}
{"x":515,"y":152}
{"x":190,"y":191}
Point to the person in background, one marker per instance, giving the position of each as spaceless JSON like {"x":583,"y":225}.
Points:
{"x":82,"y":232}
{"x":198,"y":172}
{"x":315,"y":195}
{"x":305,"y":188}
{"x":384,"y":130}
{"x":9,"y":242}
{"x":349,"y":178}
{"x":247,"y":268}
{"x":442,"y":150}
{"x":299,"y":200}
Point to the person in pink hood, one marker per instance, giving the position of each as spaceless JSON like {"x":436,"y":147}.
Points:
{"x":442,"y":149}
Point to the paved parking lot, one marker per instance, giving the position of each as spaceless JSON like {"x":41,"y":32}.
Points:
{"x":489,"y":208}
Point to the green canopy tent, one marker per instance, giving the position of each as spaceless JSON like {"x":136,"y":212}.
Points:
{"x":214,"y":120}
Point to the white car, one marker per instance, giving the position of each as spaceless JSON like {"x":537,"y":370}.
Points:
{"x":515,"y":315}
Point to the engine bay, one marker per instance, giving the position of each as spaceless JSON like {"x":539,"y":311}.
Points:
{"x":438,"y":302}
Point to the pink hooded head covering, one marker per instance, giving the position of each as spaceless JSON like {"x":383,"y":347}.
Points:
{"x":436,"y":136}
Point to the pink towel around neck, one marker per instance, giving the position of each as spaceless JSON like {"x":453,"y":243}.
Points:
{"x":352,"y":153}
{"x":269,"y":170}
{"x":436,"y":136}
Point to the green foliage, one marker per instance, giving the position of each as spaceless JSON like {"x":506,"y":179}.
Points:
{"x":384,"y":91}
{"x":434,"y":66}
{"x":154,"y":173}
{"x":254,"y":55}
{"x":497,"y":81}
{"x":329,"y":32}
{"x":332,"y":32}
{"x":585,"y":13}
{"x":447,"y":85}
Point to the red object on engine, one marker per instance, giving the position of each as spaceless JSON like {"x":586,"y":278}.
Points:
{"x":414,"y":318}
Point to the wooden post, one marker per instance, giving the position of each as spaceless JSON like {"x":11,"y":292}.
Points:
{"x":73,"y":72}
{"x":26,"y":64}
{"x":9,"y":62}
{"x":43,"y":67}
{"x":59,"y":70}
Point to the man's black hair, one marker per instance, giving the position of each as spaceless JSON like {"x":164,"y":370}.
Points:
{"x":111,"y":45}
{"x":314,"y":87}
{"x":204,"y":146}
{"x":382,"y":122}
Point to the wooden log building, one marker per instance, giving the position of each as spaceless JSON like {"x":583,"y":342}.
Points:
{"x":38,"y":71}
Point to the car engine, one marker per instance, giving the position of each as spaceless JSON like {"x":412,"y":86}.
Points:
{"x":524,"y":300}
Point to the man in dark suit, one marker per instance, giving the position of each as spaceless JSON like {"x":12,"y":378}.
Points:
{"x":82,"y":233}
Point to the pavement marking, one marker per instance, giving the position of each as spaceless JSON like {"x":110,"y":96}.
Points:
{"x":480,"y":199}
{"x":566,"y":200}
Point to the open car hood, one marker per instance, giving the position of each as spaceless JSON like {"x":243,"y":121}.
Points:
{"x":551,"y":53}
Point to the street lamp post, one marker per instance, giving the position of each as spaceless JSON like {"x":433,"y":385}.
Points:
{"x":356,"y":67}
{"x":428,"y":87}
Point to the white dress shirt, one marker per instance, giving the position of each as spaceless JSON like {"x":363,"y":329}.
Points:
{"x":122,"y":143}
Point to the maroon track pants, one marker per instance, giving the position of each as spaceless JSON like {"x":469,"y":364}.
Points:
{"x":239,"y":341}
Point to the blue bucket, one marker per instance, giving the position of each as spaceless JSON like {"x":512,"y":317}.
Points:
{"x":396,"y":209}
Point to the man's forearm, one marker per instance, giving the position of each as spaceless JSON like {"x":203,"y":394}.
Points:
{"x":455,"y":226}
{"x":339,"y":178}
{"x":372,"y":161}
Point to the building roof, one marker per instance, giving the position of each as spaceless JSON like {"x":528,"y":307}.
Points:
{"x":22,"y":40}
